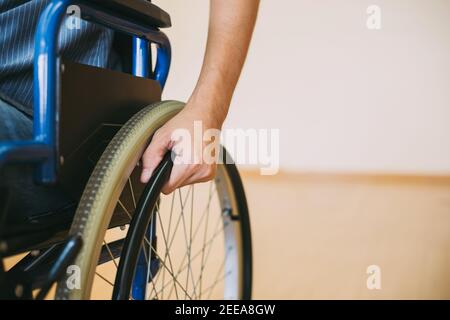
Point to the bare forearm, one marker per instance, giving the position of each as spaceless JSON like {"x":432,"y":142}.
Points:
{"x":230,"y":30}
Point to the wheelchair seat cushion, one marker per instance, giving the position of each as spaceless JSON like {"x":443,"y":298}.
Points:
{"x":14,"y":125}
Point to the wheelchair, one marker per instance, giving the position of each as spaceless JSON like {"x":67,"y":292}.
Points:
{"x":116,"y":237}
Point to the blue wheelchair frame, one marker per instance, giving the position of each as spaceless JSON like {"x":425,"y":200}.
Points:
{"x":42,"y":150}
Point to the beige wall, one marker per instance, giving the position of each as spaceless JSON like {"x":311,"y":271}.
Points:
{"x":345,"y":98}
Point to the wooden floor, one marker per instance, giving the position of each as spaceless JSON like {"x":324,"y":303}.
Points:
{"x":315,"y":235}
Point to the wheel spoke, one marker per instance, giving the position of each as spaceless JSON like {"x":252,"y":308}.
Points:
{"x":206,"y":257}
{"x":181,"y":217}
{"x":166,"y":268}
{"x":103,"y":278}
{"x":222,"y":266}
{"x":165,"y":240}
{"x":190,"y":237}
{"x":168,"y":234}
{"x":205,"y":211}
{"x":149,"y":262}
{"x":125,"y":209}
{"x":171,"y":273}
{"x":197,"y":229}
{"x":208,"y":243}
{"x":183,"y":205}
{"x":132,"y":192}
{"x":197,"y":254}
{"x":204,"y":240}
{"x":177,"y":224}
{"x":110,"y":254}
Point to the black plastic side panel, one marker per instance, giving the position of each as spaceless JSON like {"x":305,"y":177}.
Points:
{"x":95,"y":103}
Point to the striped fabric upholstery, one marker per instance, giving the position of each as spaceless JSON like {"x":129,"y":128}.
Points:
{"x":90,"y":44}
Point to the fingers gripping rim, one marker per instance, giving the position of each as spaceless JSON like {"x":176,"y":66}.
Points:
{"x":104,"y":188}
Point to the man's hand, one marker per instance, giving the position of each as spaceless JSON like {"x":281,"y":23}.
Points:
{"x":230,"y":29}
{"x":164,"y":139}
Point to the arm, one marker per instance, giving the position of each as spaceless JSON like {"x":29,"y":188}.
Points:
{"x":230,"y":30}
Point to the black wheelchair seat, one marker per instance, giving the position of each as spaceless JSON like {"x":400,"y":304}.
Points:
{"x":140,"y":10}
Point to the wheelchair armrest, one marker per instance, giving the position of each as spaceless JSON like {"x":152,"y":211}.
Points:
{"x":141,"y":10}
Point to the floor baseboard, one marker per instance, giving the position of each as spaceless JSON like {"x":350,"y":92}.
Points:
{"x":359,"y":177}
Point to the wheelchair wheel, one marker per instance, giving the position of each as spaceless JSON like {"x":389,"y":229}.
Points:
{"x":141,"y":244}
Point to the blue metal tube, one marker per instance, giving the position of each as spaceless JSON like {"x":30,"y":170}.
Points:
{"x":145,"y":258}
{"x":43,"y":149}
{"x":141,"y":57}
{"x":46,"y":76}
{"x":163,"y":64}
{"x":139,"y":31}
{"x":140,"y":275}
